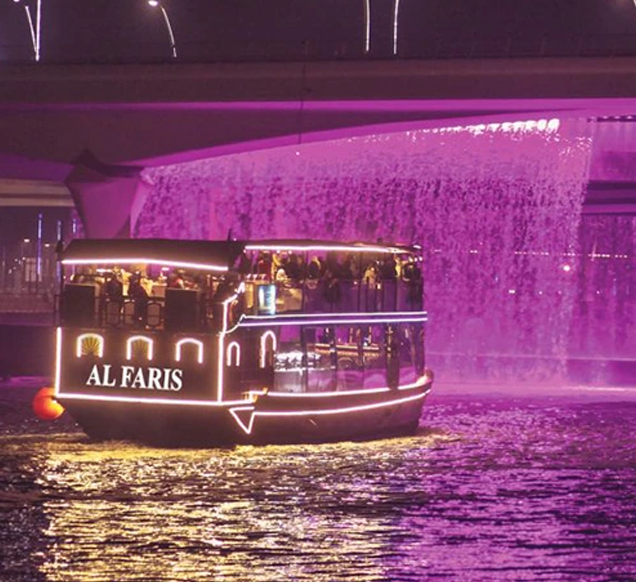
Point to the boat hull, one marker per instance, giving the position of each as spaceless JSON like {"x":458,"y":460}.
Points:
{"x":271,"y":419}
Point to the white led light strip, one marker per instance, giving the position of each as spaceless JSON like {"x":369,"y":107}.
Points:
{"x":258,"y":321}
{"x":325,"y":248}
{"x":364,"y":407}
{"x":417,"y":384}
{"x":133,"y":261}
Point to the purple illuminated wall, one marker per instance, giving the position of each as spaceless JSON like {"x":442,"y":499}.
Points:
{"x":497,"y":209}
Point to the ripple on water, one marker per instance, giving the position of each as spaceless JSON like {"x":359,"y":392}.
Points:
{"x":499,"y":489}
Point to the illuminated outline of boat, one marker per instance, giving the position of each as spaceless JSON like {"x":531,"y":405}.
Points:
{"x":266,"y":363}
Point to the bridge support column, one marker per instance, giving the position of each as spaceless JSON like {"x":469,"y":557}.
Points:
{"x":108,"y":198}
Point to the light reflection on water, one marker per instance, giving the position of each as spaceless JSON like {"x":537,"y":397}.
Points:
{"x":492,"y":488}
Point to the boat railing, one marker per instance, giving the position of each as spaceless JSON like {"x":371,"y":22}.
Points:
{"x":85,"y":305}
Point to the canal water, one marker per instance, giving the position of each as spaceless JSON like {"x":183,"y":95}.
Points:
{"x":495,"y":486}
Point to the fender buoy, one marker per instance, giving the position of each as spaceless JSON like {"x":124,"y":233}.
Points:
{"x":45,"y":405}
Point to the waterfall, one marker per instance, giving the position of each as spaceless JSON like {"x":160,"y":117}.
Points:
{"x":496,"y":208}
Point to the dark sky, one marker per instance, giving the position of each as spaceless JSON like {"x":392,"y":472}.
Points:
{"x":129,"y":30}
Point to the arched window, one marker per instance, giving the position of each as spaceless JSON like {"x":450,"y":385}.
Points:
{"x":268,"y":347}
{"x":189,"y":340}
{"x":139,"y":346}
{"x":90,"y":344}
{"x":233,"y":354}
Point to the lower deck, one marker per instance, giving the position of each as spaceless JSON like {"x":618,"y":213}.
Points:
{"x":263,"y":419}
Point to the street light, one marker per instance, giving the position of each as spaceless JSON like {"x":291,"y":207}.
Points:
{"x":173,"y":46}
{"x":34,"y":30}
{"x":396,"y":18}
{"x":367,"y":25}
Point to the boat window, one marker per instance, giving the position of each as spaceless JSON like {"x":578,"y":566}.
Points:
{"x":267,"y":349}
{"x":416,"y":337}
{"x":320,"y":358}
{"x":350,"y":362}
{"x":290,"y":370}
{"x":374,"y":354}
{"x":392,"y":350}
{"x":143,"y":296}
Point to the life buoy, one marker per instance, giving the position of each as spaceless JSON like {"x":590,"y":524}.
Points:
{"x":45,"y":405}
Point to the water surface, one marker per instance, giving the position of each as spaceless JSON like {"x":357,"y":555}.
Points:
{"x":493,"y":487}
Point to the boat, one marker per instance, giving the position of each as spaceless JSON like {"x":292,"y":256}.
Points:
{"x":221,"y":343}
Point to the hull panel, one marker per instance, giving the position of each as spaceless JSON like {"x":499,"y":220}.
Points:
{"x":269,"y":420}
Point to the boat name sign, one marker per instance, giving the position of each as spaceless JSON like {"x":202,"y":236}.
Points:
{"x":103,"y":375}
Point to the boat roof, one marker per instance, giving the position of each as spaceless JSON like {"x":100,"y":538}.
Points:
{"x":218,"y":255}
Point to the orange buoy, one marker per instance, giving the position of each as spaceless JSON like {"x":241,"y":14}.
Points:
{"x":45,"y":405}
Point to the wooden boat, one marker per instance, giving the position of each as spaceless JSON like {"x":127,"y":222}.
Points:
{"x":204,"y":343}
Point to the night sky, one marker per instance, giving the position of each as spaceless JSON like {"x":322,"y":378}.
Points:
{"x":130,"y":30}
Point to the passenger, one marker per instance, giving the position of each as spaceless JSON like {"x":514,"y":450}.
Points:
{"x":176,"y":280}
{"x":244,"y":265}
{"x":264,"y":266}
{"x":114,"y":287}
{"x":225,"y":289}
{"x":146,"y":283}
{"x":281,"y":270}
{"x":414,"y":281}
{"x":315,"y":268}
{"x":370,"y":274}
{"x":332,"y":287}
{"x":140,"y":297}
{"x":388,"y":268}
{"x":295,"y":268}
{"x":348,"y":268}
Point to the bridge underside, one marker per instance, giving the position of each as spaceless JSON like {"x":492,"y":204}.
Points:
{"x":144,"y":116}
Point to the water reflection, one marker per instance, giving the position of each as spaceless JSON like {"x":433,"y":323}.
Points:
{"x":492,"y":489}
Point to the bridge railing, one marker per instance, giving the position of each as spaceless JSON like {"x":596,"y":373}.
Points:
{"x":441,"y":46}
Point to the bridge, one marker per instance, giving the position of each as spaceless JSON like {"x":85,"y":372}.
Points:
{"x":137,"y":116}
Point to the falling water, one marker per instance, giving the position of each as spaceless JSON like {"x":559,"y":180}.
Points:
{"x":495,"y":207}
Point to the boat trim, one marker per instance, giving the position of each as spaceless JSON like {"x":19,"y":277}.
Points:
{"x":288,"y":413}
{"x":146,"y":260}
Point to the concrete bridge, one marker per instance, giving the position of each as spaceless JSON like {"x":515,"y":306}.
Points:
{"x":134,"y":116}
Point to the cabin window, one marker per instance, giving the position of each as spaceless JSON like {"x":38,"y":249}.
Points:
{"x":180,"y":347}
{"x":290,"y":373}
{"x":372,"y":340}
{"x":392,"y":351}
{"x":416,"y":337}
{"x":90,"y":344}
{"x":350,"y":365}
{"x":233,"y":355}
{"x":139,"y":347}
{"x":267,"y":349}
{"x":406,"y":337}
{"x":320,"y":358}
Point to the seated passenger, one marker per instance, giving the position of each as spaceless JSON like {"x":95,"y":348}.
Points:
{"x":114,"y":287}
{"x":137,"y":292}
{"x":388,"y":268}
{"x":264,"y":266}
{"x":176,"y":280}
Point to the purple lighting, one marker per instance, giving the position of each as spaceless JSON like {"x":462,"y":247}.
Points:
{"x":495,"y":206}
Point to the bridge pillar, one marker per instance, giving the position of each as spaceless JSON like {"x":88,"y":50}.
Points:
{"x":108,"y":198}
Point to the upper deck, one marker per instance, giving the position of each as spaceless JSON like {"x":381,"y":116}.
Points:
{"x":170,"y":285}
